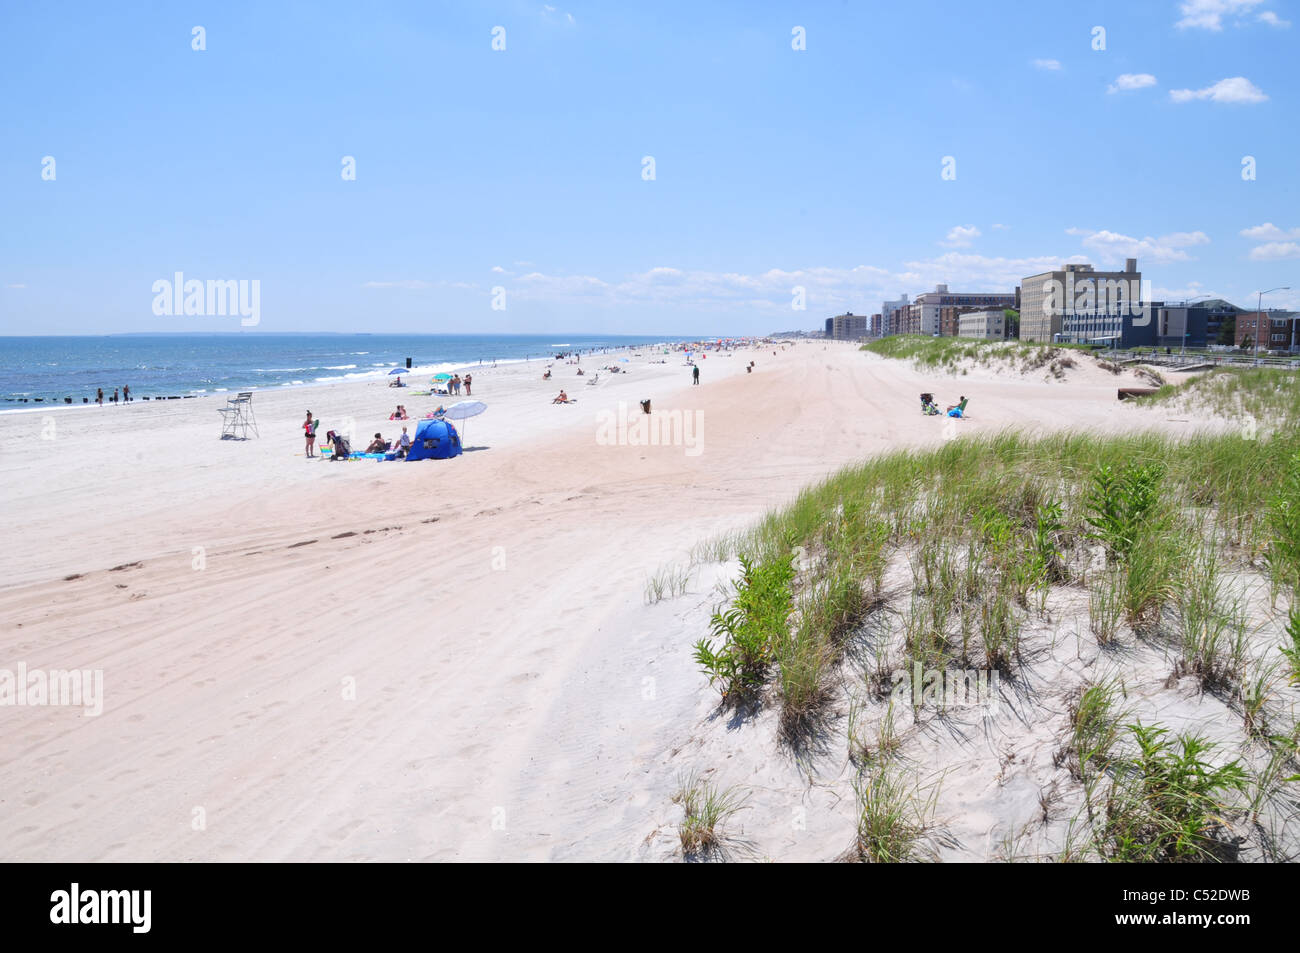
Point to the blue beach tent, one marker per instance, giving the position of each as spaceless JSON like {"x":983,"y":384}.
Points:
{"x":434,"y":440}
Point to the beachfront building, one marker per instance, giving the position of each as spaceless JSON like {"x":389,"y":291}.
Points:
{"x":875,"y":325}
{"x":940,"y":308}
{"x":849,"y":326}
{"x":889,"y":315}
{"x":990,"y":325}
{"x":950,"y":318}
{"x":1270,"y":330}
{"x":1193,"y":325}
{"x":1078,"y":304}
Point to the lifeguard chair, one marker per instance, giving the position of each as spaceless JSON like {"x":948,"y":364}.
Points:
{"x":237,"y":417}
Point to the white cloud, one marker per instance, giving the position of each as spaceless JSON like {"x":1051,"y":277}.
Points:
{"x":999,"y":227}
{"x":1268,"y":231}
{"x":1209,"y":14}
{"x":1127,"y":81}
{"x":1047,"y":64}
{"x":961,"y":236}
{"x":1236,"y":89}
{"x":1112,"y":247}
{"x":857,"y":288}
{"x":569,"y":17}
{"x":15,"y":286}
{"x":546,"y":8}
{"x":1275,"y":251}
{"x":1273,"y":20}
{"x":498,"y":269}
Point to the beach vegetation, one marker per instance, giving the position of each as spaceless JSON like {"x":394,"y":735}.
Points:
{"x":706,"y":808}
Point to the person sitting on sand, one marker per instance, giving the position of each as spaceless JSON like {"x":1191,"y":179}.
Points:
{"x":399,"y":414}
{"x":958,"y":410}
{"x":378,"y":445}
{"x":547,"y":375}
{"x":562,"y":399}
{"x":580,"y":372}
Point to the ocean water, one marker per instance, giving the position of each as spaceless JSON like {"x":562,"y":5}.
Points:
{"x":154,"y":365}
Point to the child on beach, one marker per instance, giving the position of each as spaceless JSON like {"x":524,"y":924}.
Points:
{"x":403,"y":443}
{"x":309,"y":431}
{"x":99,"y":396}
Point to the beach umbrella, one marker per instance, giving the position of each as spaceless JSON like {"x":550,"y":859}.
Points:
{"x":397,"y":370}
{"x":463,"y":410}
{"x":442,"y":377}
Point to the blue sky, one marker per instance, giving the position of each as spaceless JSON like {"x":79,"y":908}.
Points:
{"x":522,"y":168}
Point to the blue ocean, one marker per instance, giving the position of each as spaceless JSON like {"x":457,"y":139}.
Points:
{"x":156,"y":365}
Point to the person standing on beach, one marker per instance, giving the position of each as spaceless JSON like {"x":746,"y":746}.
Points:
{"x":126,"y":393}
{"x":469,"y":384}
{"x":695,"y":373}
{"x":115,"y":395}
{"x":309,"y":431}
{"x":99,"y":396}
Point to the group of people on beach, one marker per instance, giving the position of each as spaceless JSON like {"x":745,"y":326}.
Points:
{"x":126,"y":395}
{"x":931,"y":409}
{"x":378,"y":445}
{"x":454,"y":385}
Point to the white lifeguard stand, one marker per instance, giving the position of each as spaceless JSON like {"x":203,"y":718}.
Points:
{"x":237,"y":417}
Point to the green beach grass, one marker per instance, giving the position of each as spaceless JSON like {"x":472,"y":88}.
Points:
{"x":1148,"y":528}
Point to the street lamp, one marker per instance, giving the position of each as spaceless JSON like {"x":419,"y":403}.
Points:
{"x":1259,"y":314}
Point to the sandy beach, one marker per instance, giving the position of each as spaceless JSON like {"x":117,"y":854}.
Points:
{"x":436,"y":660}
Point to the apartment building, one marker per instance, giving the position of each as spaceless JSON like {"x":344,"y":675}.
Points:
{"x":990,"y":325}
{"x":1078,"y":304}
{"x":1271,"y":330}
{"x":932,"y":305}
{"x":849,"y":326}
{"x":889,"y":315}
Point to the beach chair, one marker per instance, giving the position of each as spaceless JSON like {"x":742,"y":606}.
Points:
{"x":237,"y":417}
{"x":342,"y":449}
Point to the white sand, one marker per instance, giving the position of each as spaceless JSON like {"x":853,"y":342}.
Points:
{"x":514,"y":697}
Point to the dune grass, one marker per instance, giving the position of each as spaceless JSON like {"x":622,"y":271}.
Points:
{"x":1153,"y":531}
{"x":948,"y":353}
{"x":895,"y":812}
{"x":706,"y":808}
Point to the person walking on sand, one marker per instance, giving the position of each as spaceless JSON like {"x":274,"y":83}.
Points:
{"x":309,"y":431}
{"x":99,"y":396}
{"x":695,"y":373}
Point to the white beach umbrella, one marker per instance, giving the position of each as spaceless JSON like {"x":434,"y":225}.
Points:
{"x":463,"y":410}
